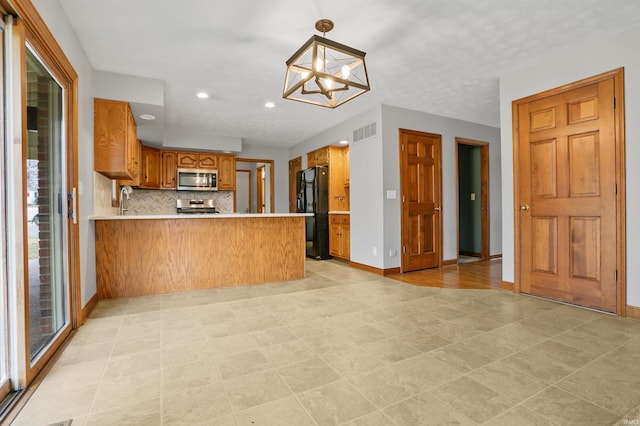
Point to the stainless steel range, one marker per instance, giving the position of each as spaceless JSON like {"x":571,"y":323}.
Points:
{"x":195,"y":206}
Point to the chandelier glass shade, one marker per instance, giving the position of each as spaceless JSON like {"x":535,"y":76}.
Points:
{"x":325,"y":73}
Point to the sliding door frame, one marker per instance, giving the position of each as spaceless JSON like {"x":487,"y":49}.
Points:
{"x":29,"y":28}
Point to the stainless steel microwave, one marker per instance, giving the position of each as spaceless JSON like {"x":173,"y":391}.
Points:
{"x":197,"y":180}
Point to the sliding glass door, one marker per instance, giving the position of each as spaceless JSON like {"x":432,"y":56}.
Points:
{"x":5,"y":358}
{"x":39,"y":271}
{"x":46,"y":201}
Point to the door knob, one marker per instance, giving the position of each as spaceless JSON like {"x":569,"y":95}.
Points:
{"x":436,"y":209}
{"x":524,"y":207}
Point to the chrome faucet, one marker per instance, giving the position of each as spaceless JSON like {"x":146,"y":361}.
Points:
{"x":125,"y":194}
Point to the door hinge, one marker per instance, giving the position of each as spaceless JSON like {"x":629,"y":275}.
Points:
{"x":614,"y":103}
{"x":403,"y":198}
{"x":616,"y":274}
{"x":404,"y":249}
{"x":615,"y":188}
{"x":402,"y":147}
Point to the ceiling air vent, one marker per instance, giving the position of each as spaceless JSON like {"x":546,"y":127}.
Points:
{"x":364,"y":132}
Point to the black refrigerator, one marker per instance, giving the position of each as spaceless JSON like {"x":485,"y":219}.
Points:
{"x":313,"y":197}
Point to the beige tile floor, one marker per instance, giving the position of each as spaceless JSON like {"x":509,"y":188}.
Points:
{"x":343,"y":347}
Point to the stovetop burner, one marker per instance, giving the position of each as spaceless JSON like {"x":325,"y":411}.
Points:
{"x":195,"y":206}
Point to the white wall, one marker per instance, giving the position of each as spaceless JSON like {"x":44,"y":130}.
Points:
{"x":375,"y":168}
{"x":393,"y":119}
{"x":56,"y":20}
{"x":565,"y":66}
{"x":190,"y":140}
{"x":366,"y":177}
{"x":128,"y":88}
{"x":365,"y":167}
{"x":280,"y":157}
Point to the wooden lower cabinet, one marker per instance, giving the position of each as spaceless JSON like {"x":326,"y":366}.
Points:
{"x":340,"y":236}
{"x":140,"y":257}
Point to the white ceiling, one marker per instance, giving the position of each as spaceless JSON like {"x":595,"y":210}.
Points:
{"x":439,"y":56}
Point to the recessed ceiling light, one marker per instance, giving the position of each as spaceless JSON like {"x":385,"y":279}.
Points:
{"x":344,"y":142}
{"x":202,"y":95}
{"x":147,"y":116}
{"x":269,"y":105}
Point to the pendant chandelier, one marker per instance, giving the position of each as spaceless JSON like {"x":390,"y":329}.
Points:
{"x":324,"y":72}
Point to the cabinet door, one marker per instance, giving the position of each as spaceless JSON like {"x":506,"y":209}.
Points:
{"x":346,"y":238}
{"x":187,"y":160}
{"x":136,"y":158}
{"x":113,"y":132}
{"x":322,"y":156}
{"x":150,"y":168}
{"x":334,"y":235}
{"x":207,"y":160}
{"x":168,"y":173}
{"x":345,"y":166}
{"x":132,"y":146}
{"x":312,"y":159}
{"x":227,"y":173}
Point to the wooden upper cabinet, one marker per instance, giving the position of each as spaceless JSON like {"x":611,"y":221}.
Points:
{"x":338,"y":194}
{"x":136,"y":156}
{"x":187,"y":160}
{"x":168,"y":172}
{"x":226,"y":173}
{"x":151,"y":171}
{"x":114,"y":138}
{"x":207,"y":160}
{"x":345,"y":165}
{"x":197,"y":160}
{"x":319,"y":157}
{"x":337,"y":158}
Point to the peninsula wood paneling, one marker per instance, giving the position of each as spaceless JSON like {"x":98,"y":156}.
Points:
{"x":156,"y":256}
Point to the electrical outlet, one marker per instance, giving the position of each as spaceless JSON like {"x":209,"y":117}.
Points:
{"x":393,"y":253}
{"x":375,"y":251}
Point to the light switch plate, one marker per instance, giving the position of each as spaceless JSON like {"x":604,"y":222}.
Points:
{"x":391,"y":194}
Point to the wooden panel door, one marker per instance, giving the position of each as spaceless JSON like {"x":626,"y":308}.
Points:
{"x":567,"y":183}
{"x":260,"y":176}
{"x":295,"y":165}
{"x":421,"y":188}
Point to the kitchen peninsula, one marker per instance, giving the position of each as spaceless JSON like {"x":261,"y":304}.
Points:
{"x":156,"y":254}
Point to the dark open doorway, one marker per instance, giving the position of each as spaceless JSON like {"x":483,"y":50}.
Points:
{"x":473,"y":199}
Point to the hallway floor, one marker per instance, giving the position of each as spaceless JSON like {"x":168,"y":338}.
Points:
{"x":344,"y":346}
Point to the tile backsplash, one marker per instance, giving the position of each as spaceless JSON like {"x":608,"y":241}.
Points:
{"x":150,"y":202}
{"x":102,"y":188}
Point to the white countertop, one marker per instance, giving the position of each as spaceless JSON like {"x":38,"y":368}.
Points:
{"x":197,"y":216}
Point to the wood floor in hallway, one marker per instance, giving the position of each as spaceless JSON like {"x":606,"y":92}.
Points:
{"x":476,"y":275}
